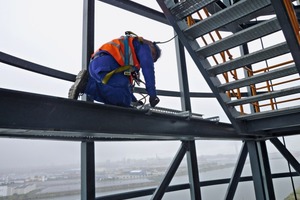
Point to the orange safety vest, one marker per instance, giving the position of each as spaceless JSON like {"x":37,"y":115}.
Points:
{"x":116,"y":48}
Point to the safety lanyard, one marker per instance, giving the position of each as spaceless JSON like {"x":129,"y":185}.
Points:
{"x":126,"y":49}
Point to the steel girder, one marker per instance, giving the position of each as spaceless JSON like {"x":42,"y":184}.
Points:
{"x":32,"y":115}
{"x":138,"y":9}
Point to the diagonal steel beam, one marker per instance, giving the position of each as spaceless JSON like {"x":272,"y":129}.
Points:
{"x":237,"y":173}
{"x":261,"y":172}
{"x":160,"y":191}
{"x":285,"y":152}
{"x":287,"y":29}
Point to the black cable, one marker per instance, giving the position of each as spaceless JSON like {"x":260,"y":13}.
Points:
{"x":158,"y":42}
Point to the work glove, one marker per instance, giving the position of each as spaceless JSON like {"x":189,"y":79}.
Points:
{"x":154,"y":101}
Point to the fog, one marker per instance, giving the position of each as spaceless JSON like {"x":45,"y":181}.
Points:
{"x":50,"y":33}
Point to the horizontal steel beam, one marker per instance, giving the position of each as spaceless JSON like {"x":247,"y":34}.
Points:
{"x":33,"y":67}
{"x":33,"y":115}
{"x":138,"y":9}
{"x":279,"y":123}
{"x":184,"y":186}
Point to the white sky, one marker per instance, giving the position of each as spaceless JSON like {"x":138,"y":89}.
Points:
{"x":50,"y":33}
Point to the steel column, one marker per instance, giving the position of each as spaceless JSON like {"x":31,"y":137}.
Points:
{"x":260,"y":170}
{"x":160,"y":191}
{"x":183,"y":78}
{"x":88,"y":191}
{"x":256,"y":170}
{"x":88,"y":188}
{"x":237,"y":173}
{"x":193,"y":171}
{"x":288,"y":156}
{"x":264,"y":158}
{"x":88,"y":31}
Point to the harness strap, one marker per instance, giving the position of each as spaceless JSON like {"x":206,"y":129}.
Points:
{"x":125,"y":69}
{"x":126,"y":49}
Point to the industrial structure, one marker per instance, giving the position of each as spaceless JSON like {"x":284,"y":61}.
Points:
{"x":258,"y":92}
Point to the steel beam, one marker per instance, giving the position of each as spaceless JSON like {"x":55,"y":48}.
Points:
{"x":33,"y":67}
{"x":88,"y":185}
{"x":160,"y":191}
{"x":138,"y":9}
{"x":286,"y":121}
{"x":26,"y":114}
{"x":286,"y":154}
{"x":237,"y":173}
{"x":267,"y":175}
{"x":256,"y":170}
{"x":288,"y":31}
{"x":182,"y":76}
{"x":88,"y":188}
{"x":193,"y":171}
{"x":88,"y":32}
{"x":260,"y":170}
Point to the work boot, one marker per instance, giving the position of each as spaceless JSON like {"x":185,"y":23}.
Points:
{"x":79,"y":86}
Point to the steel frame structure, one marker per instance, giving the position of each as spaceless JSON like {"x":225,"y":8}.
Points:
{"x":62,"y":125}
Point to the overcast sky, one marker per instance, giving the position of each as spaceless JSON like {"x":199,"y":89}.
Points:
{"x":50,"y":33}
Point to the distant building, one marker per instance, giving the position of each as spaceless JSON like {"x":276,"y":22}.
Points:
{"x":8,"y":190}
{"x":138,"y":173}
{"x":5,"y":191}
{"x":24,"y":189}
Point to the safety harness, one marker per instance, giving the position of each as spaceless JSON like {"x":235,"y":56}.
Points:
{"x":128,"y":70}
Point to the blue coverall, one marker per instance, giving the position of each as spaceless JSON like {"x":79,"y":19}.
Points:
{"x":118,"y":90}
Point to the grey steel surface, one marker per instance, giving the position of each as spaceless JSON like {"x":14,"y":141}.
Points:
{"x":237,"y":173}
{"x":224,"y":17}
{"x":138,"y":9}
{"x":60,"y":117}
{"x":274,"y":122}
{"x":255,"y":57}
{"x":33,"y":67}
{"x":287,"y":30}
{"x":193,"y":171}
{"x":239,"y":38}
{"x":266,"y":172}
{"x":88,"y":183}
{"x":183,"y":76}
{"x":256,"y":169}
{"x":267,"y":95}
{"x":185,"y":8}
{"x":270,"y":75}
{"x":87,"y":170}
{"x":202,"y":65}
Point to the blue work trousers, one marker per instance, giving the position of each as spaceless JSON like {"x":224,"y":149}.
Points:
{"x":117,"y":91}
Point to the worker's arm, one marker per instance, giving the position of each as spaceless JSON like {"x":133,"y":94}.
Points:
{"x":146,"y":61}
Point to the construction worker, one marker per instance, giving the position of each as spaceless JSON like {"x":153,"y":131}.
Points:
{"x":113,"y":69}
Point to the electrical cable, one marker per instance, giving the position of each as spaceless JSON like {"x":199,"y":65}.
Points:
{"x":163,"y":42}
